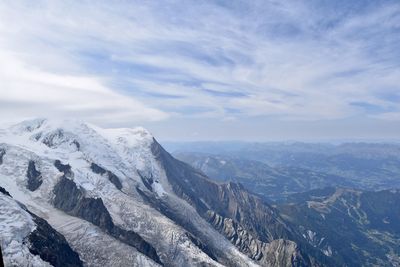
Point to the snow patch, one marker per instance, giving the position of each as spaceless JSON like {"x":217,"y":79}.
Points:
{"x":158,"y":188}
{"x":327,"y":251}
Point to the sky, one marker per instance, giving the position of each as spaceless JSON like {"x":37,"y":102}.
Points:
{"x":206,"y":70}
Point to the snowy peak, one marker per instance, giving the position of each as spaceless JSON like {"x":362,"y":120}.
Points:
{"x":55,"y":137}
{"x":40,"y":129}
{"x":28,"y":125}
{"x":120,"y":154}
{"x":128,"y":137}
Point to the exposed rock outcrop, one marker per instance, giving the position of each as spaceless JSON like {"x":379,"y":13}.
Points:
{"x":147,"y":181}
{"x":51,"y":246}
{"x":242,"y":239}
{"x":65,"y":168}
{"x":1,"y":257}
{"x":2,"y":153}
{"x":282,"y":252}
{"x":4,"y":191}
{"x":110,"y":175}
{"x":54,"y":138}
{"x":278,"y":252}
{"x":35,"y":179}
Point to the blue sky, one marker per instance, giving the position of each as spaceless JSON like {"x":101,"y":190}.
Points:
{"x":206,"y":70}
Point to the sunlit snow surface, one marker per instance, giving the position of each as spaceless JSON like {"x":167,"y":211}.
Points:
{"x":126,"y":153}
{"x":15,"y":225}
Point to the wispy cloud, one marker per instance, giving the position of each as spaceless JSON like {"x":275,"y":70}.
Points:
{"x":138,"y":60}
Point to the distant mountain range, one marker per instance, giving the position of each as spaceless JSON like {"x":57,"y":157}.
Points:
{"x":272,"y":183}
{"x":369,"y":166}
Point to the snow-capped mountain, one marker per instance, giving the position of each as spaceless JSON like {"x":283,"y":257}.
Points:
{"x":115,"y":197}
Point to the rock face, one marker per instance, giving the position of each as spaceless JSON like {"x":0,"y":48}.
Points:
{"x":2,"y":153}
{"x":247,"y":243}
{"x":69,"y":198}
{"x":1,"y":258}
{"x":111,"y":176}
{"x":34,"y":177}
{"x":5,"y":192}
{"x":51,"y":246}
{"x":65,"y":168}
{"x":282,"y":252}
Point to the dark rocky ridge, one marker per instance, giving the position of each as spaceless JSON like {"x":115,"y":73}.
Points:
{"x":51,"y":246}
{"x":111,"y":176}
{"x":49,"y":140}
{"x":246,"y":243}
{"x":147,"y":181}
{"x":2,"y":153}
{"x":231,"y":201}
{"x":4,"y":191}
{"x":65,"y":168}
{"x":71,"y":199}
{"x":34,"y":177}
{"x":1,"y":258}
{"x":77,"y":144}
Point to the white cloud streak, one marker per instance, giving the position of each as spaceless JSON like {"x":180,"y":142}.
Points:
{"x":138,"y":60}
{"x":27,"y":92}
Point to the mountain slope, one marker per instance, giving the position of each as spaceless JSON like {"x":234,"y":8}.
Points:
{"x":29,"y":240}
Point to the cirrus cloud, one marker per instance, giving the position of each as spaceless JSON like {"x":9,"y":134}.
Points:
{"x":131,"y":61}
